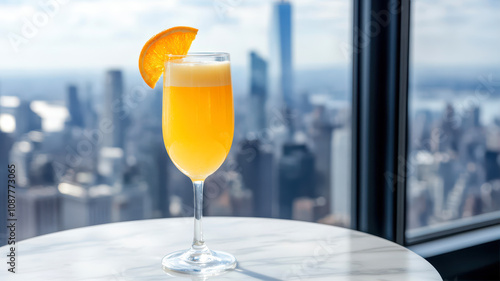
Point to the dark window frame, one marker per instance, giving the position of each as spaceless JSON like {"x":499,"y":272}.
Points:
{"x":380,"y":91}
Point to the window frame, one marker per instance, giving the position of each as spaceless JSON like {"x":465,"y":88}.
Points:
{"x":379,"y":110}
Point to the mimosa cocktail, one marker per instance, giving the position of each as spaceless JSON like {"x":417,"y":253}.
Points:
{"x":198,"y":127}
{"x":198,"y":118}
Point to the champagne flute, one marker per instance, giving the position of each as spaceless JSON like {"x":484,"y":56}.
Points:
{"x":198,"y":127}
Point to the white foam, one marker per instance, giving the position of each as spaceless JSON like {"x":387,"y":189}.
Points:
{"x":197,"y":74}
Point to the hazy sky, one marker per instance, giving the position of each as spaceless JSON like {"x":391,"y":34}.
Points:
{"x":456,"y":32}
{"x":110,"y":33}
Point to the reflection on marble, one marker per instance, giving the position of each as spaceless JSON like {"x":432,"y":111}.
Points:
{"x":266,"y":249}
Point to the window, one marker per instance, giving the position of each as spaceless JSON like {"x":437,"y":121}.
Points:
{"x":391,"y":151}
{"x":79,"y":163}
{"x":454,"y":119}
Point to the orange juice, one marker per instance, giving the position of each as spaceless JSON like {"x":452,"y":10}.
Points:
{"x":198,"y":118}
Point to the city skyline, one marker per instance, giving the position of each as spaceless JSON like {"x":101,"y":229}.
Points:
{"x":290,"y":152}
{"x":101,"y":165}
{"x":306,"y":207}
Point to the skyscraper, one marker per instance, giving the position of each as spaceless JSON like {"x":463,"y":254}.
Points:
{"x":85,"y":205}
{"x":114,"y":111}
{"x":132,"y":203}
{"x":90,"y":115}
{"x":74,"y":107}
{"x":281,"y":52}
{"x":340,"y":171}
{"x":492,"y":165}
{"x":296,"y":177}
{"x":321,"y":134}
{"x":257,"y":165}
{"x":26,"y":119}
{"x":40,"y":211}
{"x":111,"y":165}
{"x":258,"y":92}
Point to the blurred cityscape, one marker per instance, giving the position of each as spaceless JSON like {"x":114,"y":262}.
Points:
{"x":97,"y":156}
{"x":454,"y":163}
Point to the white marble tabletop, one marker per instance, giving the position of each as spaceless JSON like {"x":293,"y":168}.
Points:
{"x":266,"y":249}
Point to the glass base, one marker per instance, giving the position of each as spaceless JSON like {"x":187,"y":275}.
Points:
{"x":199,"y":261}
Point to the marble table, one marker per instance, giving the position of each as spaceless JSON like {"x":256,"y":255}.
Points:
{"x":266,"y":249}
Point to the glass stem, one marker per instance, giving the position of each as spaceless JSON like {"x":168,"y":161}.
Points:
{"x":198,"y":243}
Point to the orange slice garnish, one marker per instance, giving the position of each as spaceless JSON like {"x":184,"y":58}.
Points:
{"x":173,"y":41}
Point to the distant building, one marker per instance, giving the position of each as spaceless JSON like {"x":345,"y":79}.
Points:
{"x":154,"y":163}
{"x":90,"y":115}
{"x":113,"y":110}
{"x":257,"y":168}
{"x":448,"y":172}
{"x":74,"y":107}
{"x":41,"y":169}
{"x":341,"y":174}
{"x":39,"y":207}
{"x":296,"y":177}
{"x":38,"y":211}
{"x":26,"y":119}
{"x":22,"y":155}
{"x":281,"y":52}
{"x":258,"y":93}
{"x":84,"y":206}
{"x":420,"y":129}
{"x":321,"y":134}
{"x":132,"y":203}
{"x":111,"y":165}
{"x":492,"y":165}
{"x":304,"y":104}
{"x":450,"y":128}
{"x":242,"y":200}
{"x":472,"y":118}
